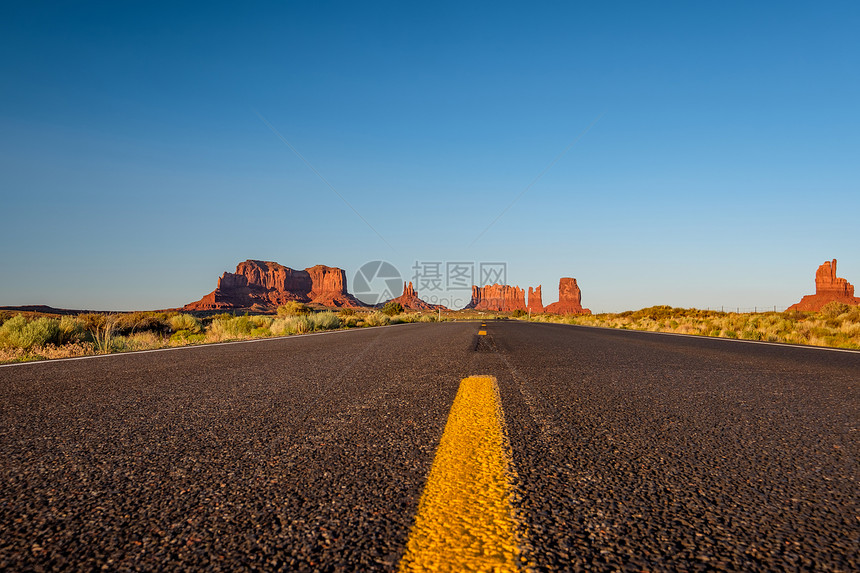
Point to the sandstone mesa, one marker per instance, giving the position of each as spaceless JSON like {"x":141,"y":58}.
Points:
{"x":828,"y":288}
{"x":265,"y":285}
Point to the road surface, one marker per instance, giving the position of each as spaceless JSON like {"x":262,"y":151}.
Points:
{"x":628,"y":451}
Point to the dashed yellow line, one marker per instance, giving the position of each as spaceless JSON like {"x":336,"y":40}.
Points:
{"x":465,"y":519}
{"x":482,"y":332}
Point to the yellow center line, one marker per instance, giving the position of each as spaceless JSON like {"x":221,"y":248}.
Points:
{"x":482,"y":332}
{"x":465,"y":519}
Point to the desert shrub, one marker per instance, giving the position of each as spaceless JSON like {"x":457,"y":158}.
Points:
{"x":350,"y":321}
{"x":71,"y":330}
{"x":392,"y":308}
{"x":426,"y":318}
{"x":179,"y":322}
{"x":92,"y":320}
{"x":132,"y":322}
{"x":301,"y":324}
{"x":260,"y":332}
{"x":292,"y":308}
{"x":18,"y":332}
{"x":654,"y":313}
{"x":518,"y":313}
{"x":833,"y":309}
{"x":181,"y":337}
{"x":145,"y":340}
{"x":101,"y":328}
{"x":376,"y":319}
{"x":852,"y":315}
{"x":325,"y":321}
{"x":279,"y":327}
{"x":233,"y":327}
{"x":286,"y":325}
{"x":260,"y":321}
{"x":347,"y":312}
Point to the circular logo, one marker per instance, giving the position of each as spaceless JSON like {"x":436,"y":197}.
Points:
{"x":376,"y":282}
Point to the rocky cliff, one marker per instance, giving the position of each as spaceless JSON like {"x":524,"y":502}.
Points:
{"x":409,"y":300}
{"x":502,"y":298}
{"x":828,"y":288}
{"x":535,"y":304}
{"x":569,"y":298}
{"x":264,"y":285}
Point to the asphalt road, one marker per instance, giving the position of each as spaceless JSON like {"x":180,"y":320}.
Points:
{"x":633,"y":451}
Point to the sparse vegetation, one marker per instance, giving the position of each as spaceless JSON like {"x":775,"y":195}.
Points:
{"x":392,"y":308}
{"x":293,"y":308}
{"x":33,"y":337}
{"x":377,"y":319}
{"x":836,"y":325}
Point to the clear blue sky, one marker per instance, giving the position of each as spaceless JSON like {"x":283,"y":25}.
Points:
{"x":723,"y":167}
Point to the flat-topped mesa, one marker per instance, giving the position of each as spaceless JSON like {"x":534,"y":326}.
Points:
{"x":502,"y":298}
{"x":535,"y":304}
{"x":265,"y":285}
{"x":569,"y":298}
{"x":409,"y":300}
{"x":828,"y":288}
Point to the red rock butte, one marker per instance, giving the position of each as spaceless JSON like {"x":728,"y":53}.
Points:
{"x":409,"y":300}
{"x":264,"y":285}
{"x":505,"y":298}
{"x":569,"y":298}
{"x":502,"y":298}
{"x":828,"y":288}
{"x":535,"y":304}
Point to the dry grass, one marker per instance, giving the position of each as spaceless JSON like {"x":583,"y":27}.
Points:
{"x":27,"y":337}
{"x":836,"y":325}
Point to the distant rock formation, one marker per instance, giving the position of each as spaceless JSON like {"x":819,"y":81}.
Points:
{"x":502,"y":298}
{"x":409,"y":300}
{"x":569,"y":299}
{"x":535,"y":304}
{"x":264,"y":285}
{"x":828,"y":288}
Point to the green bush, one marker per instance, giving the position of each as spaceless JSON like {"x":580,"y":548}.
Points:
{"x":518,"y":313}
{"x":18,"y":332}
{"x":392,"y":308}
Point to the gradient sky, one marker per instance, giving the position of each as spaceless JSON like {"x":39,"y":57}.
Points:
{"x":721,"y":167}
